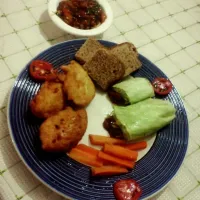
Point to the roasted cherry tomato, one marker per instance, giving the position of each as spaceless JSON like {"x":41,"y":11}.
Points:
{"x":162,"y":86}
{"x":42,"y":71}
{"x":127,"y":189}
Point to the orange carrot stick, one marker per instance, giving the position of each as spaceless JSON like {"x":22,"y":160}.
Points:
{"x":101,"y":140}
{"x":108,"y":170}
{"x":136,"y":146}
{"x":116,"y":160}
{"x":120,"y":152}
{"x":85,"y":158}
{"x":88,"y":149}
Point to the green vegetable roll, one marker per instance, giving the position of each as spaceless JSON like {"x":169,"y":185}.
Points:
{"x":133,"y":90}
{"x":143,"y":118}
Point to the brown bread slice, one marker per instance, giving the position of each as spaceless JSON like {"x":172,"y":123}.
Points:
{"x":128,"y":54}
{"x":87,"y":50}
{"x":104,"y":68}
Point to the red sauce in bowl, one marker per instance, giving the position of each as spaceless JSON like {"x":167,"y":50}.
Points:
{"x":81,"y":14}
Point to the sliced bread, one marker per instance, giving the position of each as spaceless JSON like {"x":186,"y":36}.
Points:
{"x":87,"y":50}
{"x":128,"y":55}
{"x":104,"y":68}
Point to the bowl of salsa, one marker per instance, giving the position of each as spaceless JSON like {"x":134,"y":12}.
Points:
{"x":81,"y":17}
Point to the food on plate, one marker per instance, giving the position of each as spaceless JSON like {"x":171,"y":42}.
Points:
{"x":42,"y":71}
{"x":61,"y":76}
{"x":64,"y":130}
{"x":116,"y":160}
{"x":81,"y":14}
{"x":85,"y":158}
{"x":88,"y":149}
{"x":126,"y":52}
{"x":143,"y":118}
{"x":108,"y":170}
{"x":109,"y":68}
{"x":112,"y":127}
{"x":128,"y":55}
{"x":127,"y":189}
{"x":87,"y":50}
{"x":78,"y":86}
{"x":120,"y":152}
{"x":136,"y":146}
{"x":49,"y":100}
{"x":131,"y":90}
{"x":101,"y":140}
{"x":116,"y":156}
{"x":104,"y":68}
{"x":162,"y":86}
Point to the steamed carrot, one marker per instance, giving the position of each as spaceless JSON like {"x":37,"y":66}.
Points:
{"x":108,"y":170}
{"x":120,"y":152}
{"x":116,"y":160}
{"x":85,"y":158}
{"x":136,"y":146}
{"x":92,"y":151}
{"x":101,"y":140}
{"x":88,"y":149}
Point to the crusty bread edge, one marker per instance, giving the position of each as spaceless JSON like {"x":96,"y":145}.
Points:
{"x":78,"y":58}
{"x":117,"y":45}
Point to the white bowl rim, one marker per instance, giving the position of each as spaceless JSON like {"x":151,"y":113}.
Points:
{"x":52,"y":8}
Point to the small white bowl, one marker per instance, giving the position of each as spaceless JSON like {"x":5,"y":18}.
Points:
{"x":52,"y":8}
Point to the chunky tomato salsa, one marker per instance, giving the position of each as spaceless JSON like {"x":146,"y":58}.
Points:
{"x":82,"y":14}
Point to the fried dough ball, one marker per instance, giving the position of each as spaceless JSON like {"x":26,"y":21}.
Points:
{"x":49,"y":100}
{"x":77,"y":84}
{"x":61,"y":132}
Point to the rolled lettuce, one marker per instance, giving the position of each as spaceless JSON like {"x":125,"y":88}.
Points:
{"x":133,"y":90}
{"x":144,"y":118}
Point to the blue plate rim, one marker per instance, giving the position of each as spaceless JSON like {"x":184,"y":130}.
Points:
{"x":35,"y":174}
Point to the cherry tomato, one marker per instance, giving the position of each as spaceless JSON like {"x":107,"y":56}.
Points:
{"x":127,"y":189}
{"x":162,"y":86}
{"x":42,"y":71}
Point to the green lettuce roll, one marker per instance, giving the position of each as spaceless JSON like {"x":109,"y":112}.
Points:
{"x":144,"y":118}
{"x":133,"y":90}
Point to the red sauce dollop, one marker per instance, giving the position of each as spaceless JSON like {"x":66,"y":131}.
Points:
{"x":113,"y":129}
{"x":115,"y":97}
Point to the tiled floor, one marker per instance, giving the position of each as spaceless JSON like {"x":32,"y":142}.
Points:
{"x":167,"y":32}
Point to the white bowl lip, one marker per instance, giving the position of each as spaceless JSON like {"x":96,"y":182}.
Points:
{"x":52,"y":8}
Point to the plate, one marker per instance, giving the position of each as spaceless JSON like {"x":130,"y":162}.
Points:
{"x":72,"y":179}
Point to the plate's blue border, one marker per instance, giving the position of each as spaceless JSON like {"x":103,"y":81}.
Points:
{"x":30,"y":168}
